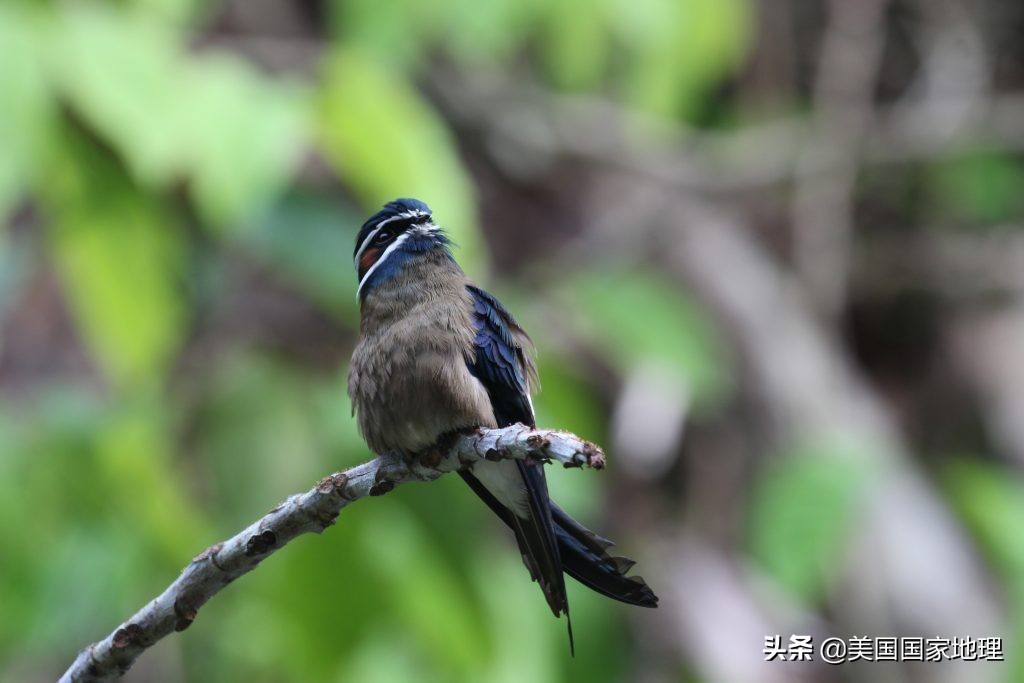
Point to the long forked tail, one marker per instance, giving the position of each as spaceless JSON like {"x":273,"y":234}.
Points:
{"x":585,"y":557}
{"x":536,"y":534}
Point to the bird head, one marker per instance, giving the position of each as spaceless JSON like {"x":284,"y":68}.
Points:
{"x":400,"y":232}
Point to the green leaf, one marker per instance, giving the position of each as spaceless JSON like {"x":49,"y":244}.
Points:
{"x":990,"y":499}
{"x":81,"y":566}
{"x":386,"y":141}
{"x":639,"y":316}
{"x":247,"y":134}
{"x":120,"y":258}
{"x":307,"y":240}
{"x":177,"y":11}
{"x":386,"y":657}
{"x":260,"y":412}
{"x":235,"y":134}
{"x":488,"y":32}
{"x":136,"y":463}
{"x":123,"y":72}
{"x":26,"y":105}
{"x":422,"y":591}
{"x":518,"y":620}
{"x":802,"y":512}
{"x":677,"y":50}
{"x":93,"y":508}
{"x":980,"y":187}
{"x":395,"y":32}
{"x":576,"y":46}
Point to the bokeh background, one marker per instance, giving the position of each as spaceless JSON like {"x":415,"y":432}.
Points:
{"x":771,"y":253}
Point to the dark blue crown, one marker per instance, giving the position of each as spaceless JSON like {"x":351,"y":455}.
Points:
{"x":393,"y":208}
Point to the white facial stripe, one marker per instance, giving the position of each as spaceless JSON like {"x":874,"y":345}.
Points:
{"x":383,"y":257}
{"x":362,"y":247}
{"x":373,"y":233}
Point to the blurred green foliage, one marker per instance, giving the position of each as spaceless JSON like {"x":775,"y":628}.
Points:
{"x":381,"y":135}
{"x":979,"y":188}
{"x":643,"y":318}
{"x":804,"y":507}
{"x":157,"y":171}
{"x":990,"y":500}
{"x":661,"y":56}
{"x":154,"y":168}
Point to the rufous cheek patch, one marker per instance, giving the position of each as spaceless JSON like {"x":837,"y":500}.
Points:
{"x":367,"y":260}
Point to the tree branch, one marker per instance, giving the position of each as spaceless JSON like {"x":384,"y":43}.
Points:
{"x":312,"y":511}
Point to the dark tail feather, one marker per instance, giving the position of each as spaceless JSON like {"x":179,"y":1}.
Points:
{"x":541,"y":544}
{"x":583,"y":554}
{"x":585,"y":558}
{"x":572,"y":640}
{"x":537,"y":537}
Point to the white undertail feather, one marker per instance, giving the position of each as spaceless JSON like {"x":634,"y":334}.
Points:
{"x":505,"y":483}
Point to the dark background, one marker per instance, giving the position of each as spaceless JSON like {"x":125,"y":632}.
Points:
{"x":771,"y":254}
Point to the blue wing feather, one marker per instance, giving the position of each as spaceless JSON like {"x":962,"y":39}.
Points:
{"x":500,"y":364}
{"x":499,"y":361}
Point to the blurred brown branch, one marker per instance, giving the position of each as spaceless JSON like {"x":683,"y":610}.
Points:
{"x":822,"y":211}
{"x":525,"y":125}
{"x":312,"y":511}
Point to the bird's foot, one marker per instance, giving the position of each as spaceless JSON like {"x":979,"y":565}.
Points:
{"x":432,"y":455}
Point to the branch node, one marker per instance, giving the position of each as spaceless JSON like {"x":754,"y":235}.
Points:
{"x":387,"y":474}
{"x":538,"y":443}
{"x":335,"y":483}
{"x":209,"y":554}
{"x":184,"y":614}
{"x":129,"y":634}
{"x":381,"y":487}
{"x":261,"y":543}
{"x":93,"y":668}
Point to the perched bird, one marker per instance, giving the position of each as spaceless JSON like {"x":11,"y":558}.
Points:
{"x":437,"y":355}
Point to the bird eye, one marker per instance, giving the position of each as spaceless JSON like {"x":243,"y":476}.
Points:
{"x":382,"y":237}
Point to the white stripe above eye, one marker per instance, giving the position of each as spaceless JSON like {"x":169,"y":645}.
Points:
{"x":383,"y":257}
{"x":373,"y":233}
